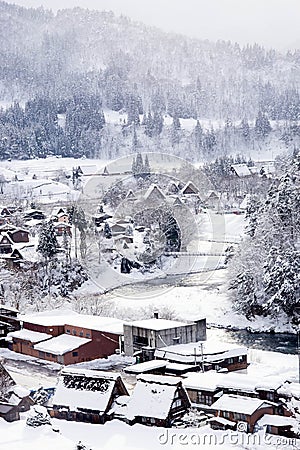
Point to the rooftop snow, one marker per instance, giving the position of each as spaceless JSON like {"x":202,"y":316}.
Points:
{"x":239,"y":404}
{"x":150,"y":398}
{"x":279,"y":421}
{"x":290,"y":390}
{"x":145,"y":366}
{"x":242,"y":170}
{"x":99,"y":323}
{"x":84,"y":389}
{"x":212,"y":380}
{"x":154,"y":191}
{"x":61,"y":344}
{"x":157,"y":324}
{"x":222,"y":421}
{"x":211,"y":351}
{"x":28,"y":335}
{"x":159,"y":379}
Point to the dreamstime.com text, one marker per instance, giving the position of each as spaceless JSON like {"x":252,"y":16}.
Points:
{"x":170,"y":438}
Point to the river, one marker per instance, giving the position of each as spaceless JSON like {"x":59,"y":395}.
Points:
{"x":279,"y":342}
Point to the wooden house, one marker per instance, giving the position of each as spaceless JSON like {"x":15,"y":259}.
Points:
{"x":86,"y":395}
{"x":156,"y":400}
{"x":61,"y":227}
{"x":8,"y":316}
{"x":34,"y":214}
{"x":206,"y":354}
{"x":155,"y":194}
{"x":19,"y":235}
{"x":279,"y":425}
{"x":9,"y":412}
{"x":190,"y":189}
{"x":239,"y":409}
{"x":6,"y":244}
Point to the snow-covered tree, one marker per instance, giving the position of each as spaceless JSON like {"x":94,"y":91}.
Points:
{"x":48,"y":244}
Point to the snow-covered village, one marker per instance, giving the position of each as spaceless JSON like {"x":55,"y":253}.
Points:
{"x":149,"y":225}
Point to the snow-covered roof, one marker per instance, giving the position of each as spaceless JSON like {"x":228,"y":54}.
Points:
{"x":29,"y":253}
{"x":152,"y":397}
{"x":28,"y":335}
{"x":212,"y":380}
{"x":98,"y":323}
{"x":146,"y":366}
{"x":89,"y":169}
{"x":16,"y":394}
{"x":239,"y":404}
{"x":154,"y":192}
{"x":157,"y":324}
{"x":9,"y":308}
{"x":222,"y":420}
{"x":290,"y":390}
{"x":130,"y":195}
{"x":84,"y":389}
{"x":190,"y":188}
{"x":202,"y":381}
{"x":61,"y":344}
{"x":180,"y":367}
{"x":211,"y":351}
{"x":277,"y":421}
{"x":241,"y":170}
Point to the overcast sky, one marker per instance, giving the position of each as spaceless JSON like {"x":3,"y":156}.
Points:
{"x":269,"y":22}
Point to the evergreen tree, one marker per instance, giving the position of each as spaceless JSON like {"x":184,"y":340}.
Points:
{"x":262,"y":125}
{"x":149,"y":125}
{"x":198,"y":137}
{"x":107,"y":231}
{"x":47,"y":245}
{"x":175,"y":131}
{"x":245,"y":129}
{"x":157,"y":124}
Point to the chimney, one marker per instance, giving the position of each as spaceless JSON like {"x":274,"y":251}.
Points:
{"x":155,"y":315}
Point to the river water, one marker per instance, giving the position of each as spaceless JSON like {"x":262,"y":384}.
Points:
{"x":279,"y":342}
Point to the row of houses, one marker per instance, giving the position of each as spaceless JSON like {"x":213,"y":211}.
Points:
{"x":96,"y":397}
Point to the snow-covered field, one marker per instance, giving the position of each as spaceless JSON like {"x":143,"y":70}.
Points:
{"x":116,"y":435}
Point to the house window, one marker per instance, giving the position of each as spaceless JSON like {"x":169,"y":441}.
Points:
{"x":239,"y":416}
{"x":226,"y":414}
{"x":68,"y":331}
{"x":81,"y":333}
{"x":75,"y":354}
{"x":152,"y":420}
{"x":48,"y":354}
{"x":230,"y":361}
{"x":88,"y":335}
{"x":140,"y":341}
{"x":177,"y":403}
{"x":204,"y":399}
{"x":74,"y":332}
{"x":241,"y":358}
{"x":270,"y":396}
{"x":41,"y":354}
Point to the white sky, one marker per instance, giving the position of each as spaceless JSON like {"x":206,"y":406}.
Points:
{"x":269,"y":22}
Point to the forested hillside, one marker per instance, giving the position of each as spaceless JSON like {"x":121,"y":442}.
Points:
{"x":78,"y":62}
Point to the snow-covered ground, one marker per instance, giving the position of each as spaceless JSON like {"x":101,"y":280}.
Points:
{"x":117,"y":435}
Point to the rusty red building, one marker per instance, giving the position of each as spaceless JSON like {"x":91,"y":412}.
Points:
{"x":69,"y":338}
